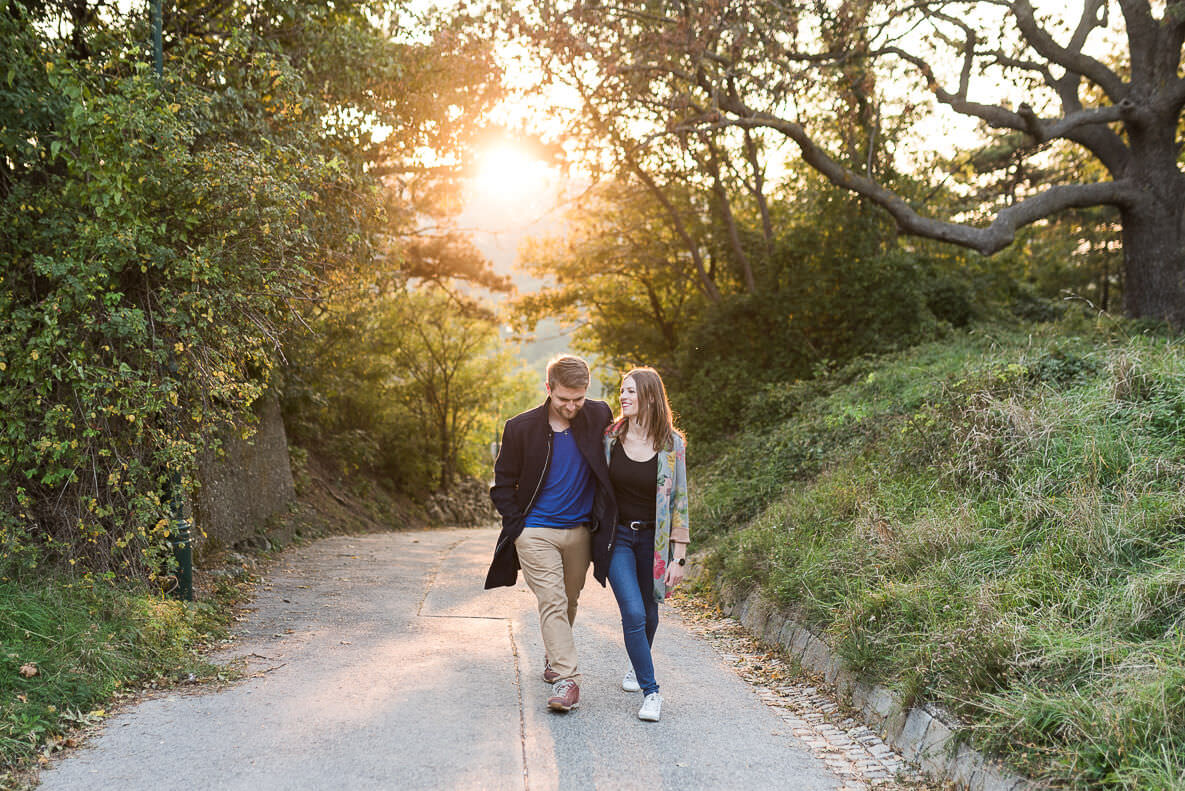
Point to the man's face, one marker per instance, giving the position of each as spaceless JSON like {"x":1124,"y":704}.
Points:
{"x":566,"y":401}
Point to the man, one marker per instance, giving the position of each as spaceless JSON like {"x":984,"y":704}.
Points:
{"x":551,"y":485}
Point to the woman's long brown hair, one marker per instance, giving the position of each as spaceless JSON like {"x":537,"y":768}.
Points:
{"x":654,"y":410}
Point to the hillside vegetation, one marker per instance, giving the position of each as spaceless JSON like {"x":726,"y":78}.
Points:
{"x":994,"y":522}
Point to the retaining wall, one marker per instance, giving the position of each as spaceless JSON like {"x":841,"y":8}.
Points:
{"x":246,"y":487}
{"x":924,"y":735}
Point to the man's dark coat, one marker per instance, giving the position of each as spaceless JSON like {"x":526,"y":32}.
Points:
{"x":521,"y":469}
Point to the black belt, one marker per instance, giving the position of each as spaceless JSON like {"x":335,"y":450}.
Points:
{"x":638,"y":527}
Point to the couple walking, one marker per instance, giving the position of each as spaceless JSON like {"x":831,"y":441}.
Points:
{"x":575,"y":486}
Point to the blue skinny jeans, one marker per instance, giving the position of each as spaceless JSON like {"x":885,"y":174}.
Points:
{"x":632,"y":580}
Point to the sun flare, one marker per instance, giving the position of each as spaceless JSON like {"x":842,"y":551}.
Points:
{"x":508,"y":173}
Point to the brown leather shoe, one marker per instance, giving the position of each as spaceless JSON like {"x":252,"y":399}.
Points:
{"x":565,"y":696}
{"x":549,"y":675}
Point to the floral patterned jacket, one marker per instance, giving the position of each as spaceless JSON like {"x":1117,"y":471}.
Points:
{"x":670,"y":507}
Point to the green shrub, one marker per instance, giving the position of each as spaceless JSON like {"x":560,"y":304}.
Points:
{"x":154,"y":242}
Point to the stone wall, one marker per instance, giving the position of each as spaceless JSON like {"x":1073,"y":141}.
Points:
{"x":925,"y":735}
{"x":467,"y":504}
{"x":246,"y":487}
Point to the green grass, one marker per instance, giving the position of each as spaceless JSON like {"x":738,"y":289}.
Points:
{"x":89,"y":642}
{"x":995,"y":522}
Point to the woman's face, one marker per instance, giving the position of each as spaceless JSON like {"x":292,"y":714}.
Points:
{"x":629,"y":397}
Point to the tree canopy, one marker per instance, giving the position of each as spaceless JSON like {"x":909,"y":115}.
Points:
{"x":849,"y":84}
{"x":164,"y":235}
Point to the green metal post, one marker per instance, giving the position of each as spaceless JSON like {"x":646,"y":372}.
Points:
{"x":179,"y":539}
{"x":158,"y":49}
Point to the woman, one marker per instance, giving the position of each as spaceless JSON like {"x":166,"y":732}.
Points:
{"x":648,"y":470}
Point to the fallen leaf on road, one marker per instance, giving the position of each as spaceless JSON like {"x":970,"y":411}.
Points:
{"x":29,"y":669}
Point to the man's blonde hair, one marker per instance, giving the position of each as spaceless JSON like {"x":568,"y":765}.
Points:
{"x":568,"y":371}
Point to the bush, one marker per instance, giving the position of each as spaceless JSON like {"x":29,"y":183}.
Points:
{"x":163,"y":234}
{"x":839,"y":286}
{"x":151,"y":267}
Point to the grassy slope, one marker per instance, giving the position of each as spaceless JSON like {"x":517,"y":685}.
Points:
{"x":84,"y":644}
{"x":995,"y":522}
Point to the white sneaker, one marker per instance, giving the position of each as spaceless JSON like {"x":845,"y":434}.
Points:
{"x":630,"y":682}
{"x":651,"y":708}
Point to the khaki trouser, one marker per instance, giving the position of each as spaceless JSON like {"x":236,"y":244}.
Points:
{"x":555,"y":565}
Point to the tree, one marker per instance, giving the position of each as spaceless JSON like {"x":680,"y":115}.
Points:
{"x":757,"y":65}
{"x":163,"y":235}
{"x":404,"y":385}
{"x":621,"y":272}
{"x":450,"y":371}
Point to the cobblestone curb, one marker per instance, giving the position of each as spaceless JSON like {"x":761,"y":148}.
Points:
{"x":924,"y":735}
{"x":854,"y":753}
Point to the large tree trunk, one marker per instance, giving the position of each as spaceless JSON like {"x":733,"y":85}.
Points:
{"x":1154,"y":247}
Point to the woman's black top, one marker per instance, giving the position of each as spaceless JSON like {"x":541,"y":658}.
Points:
{"x":635,"y":486}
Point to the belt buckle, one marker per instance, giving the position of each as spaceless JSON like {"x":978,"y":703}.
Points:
{"x":634,"y":526}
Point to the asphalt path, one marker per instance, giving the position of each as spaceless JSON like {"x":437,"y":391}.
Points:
{"x":378,"y":662}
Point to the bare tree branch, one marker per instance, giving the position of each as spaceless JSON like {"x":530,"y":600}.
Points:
{"x":994,"y":115}
{"x":631,"y":162}
{"x":1026,"y":21}
{"x":1075,"y":126}
{"x":758,"y":190}
{"x":1066,"y":126}
{"x":1094,"y":14}
{"x":734,"y":237}
{"x":969,"y":41}
{"x":1174,"y":98}
{"x":1010,"y":62}
{"x":1173,"y":37}
{"x":987,"y":240}
{"x":1141,"y":31}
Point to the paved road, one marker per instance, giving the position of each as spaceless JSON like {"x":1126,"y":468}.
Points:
{"x":378,"y":662}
